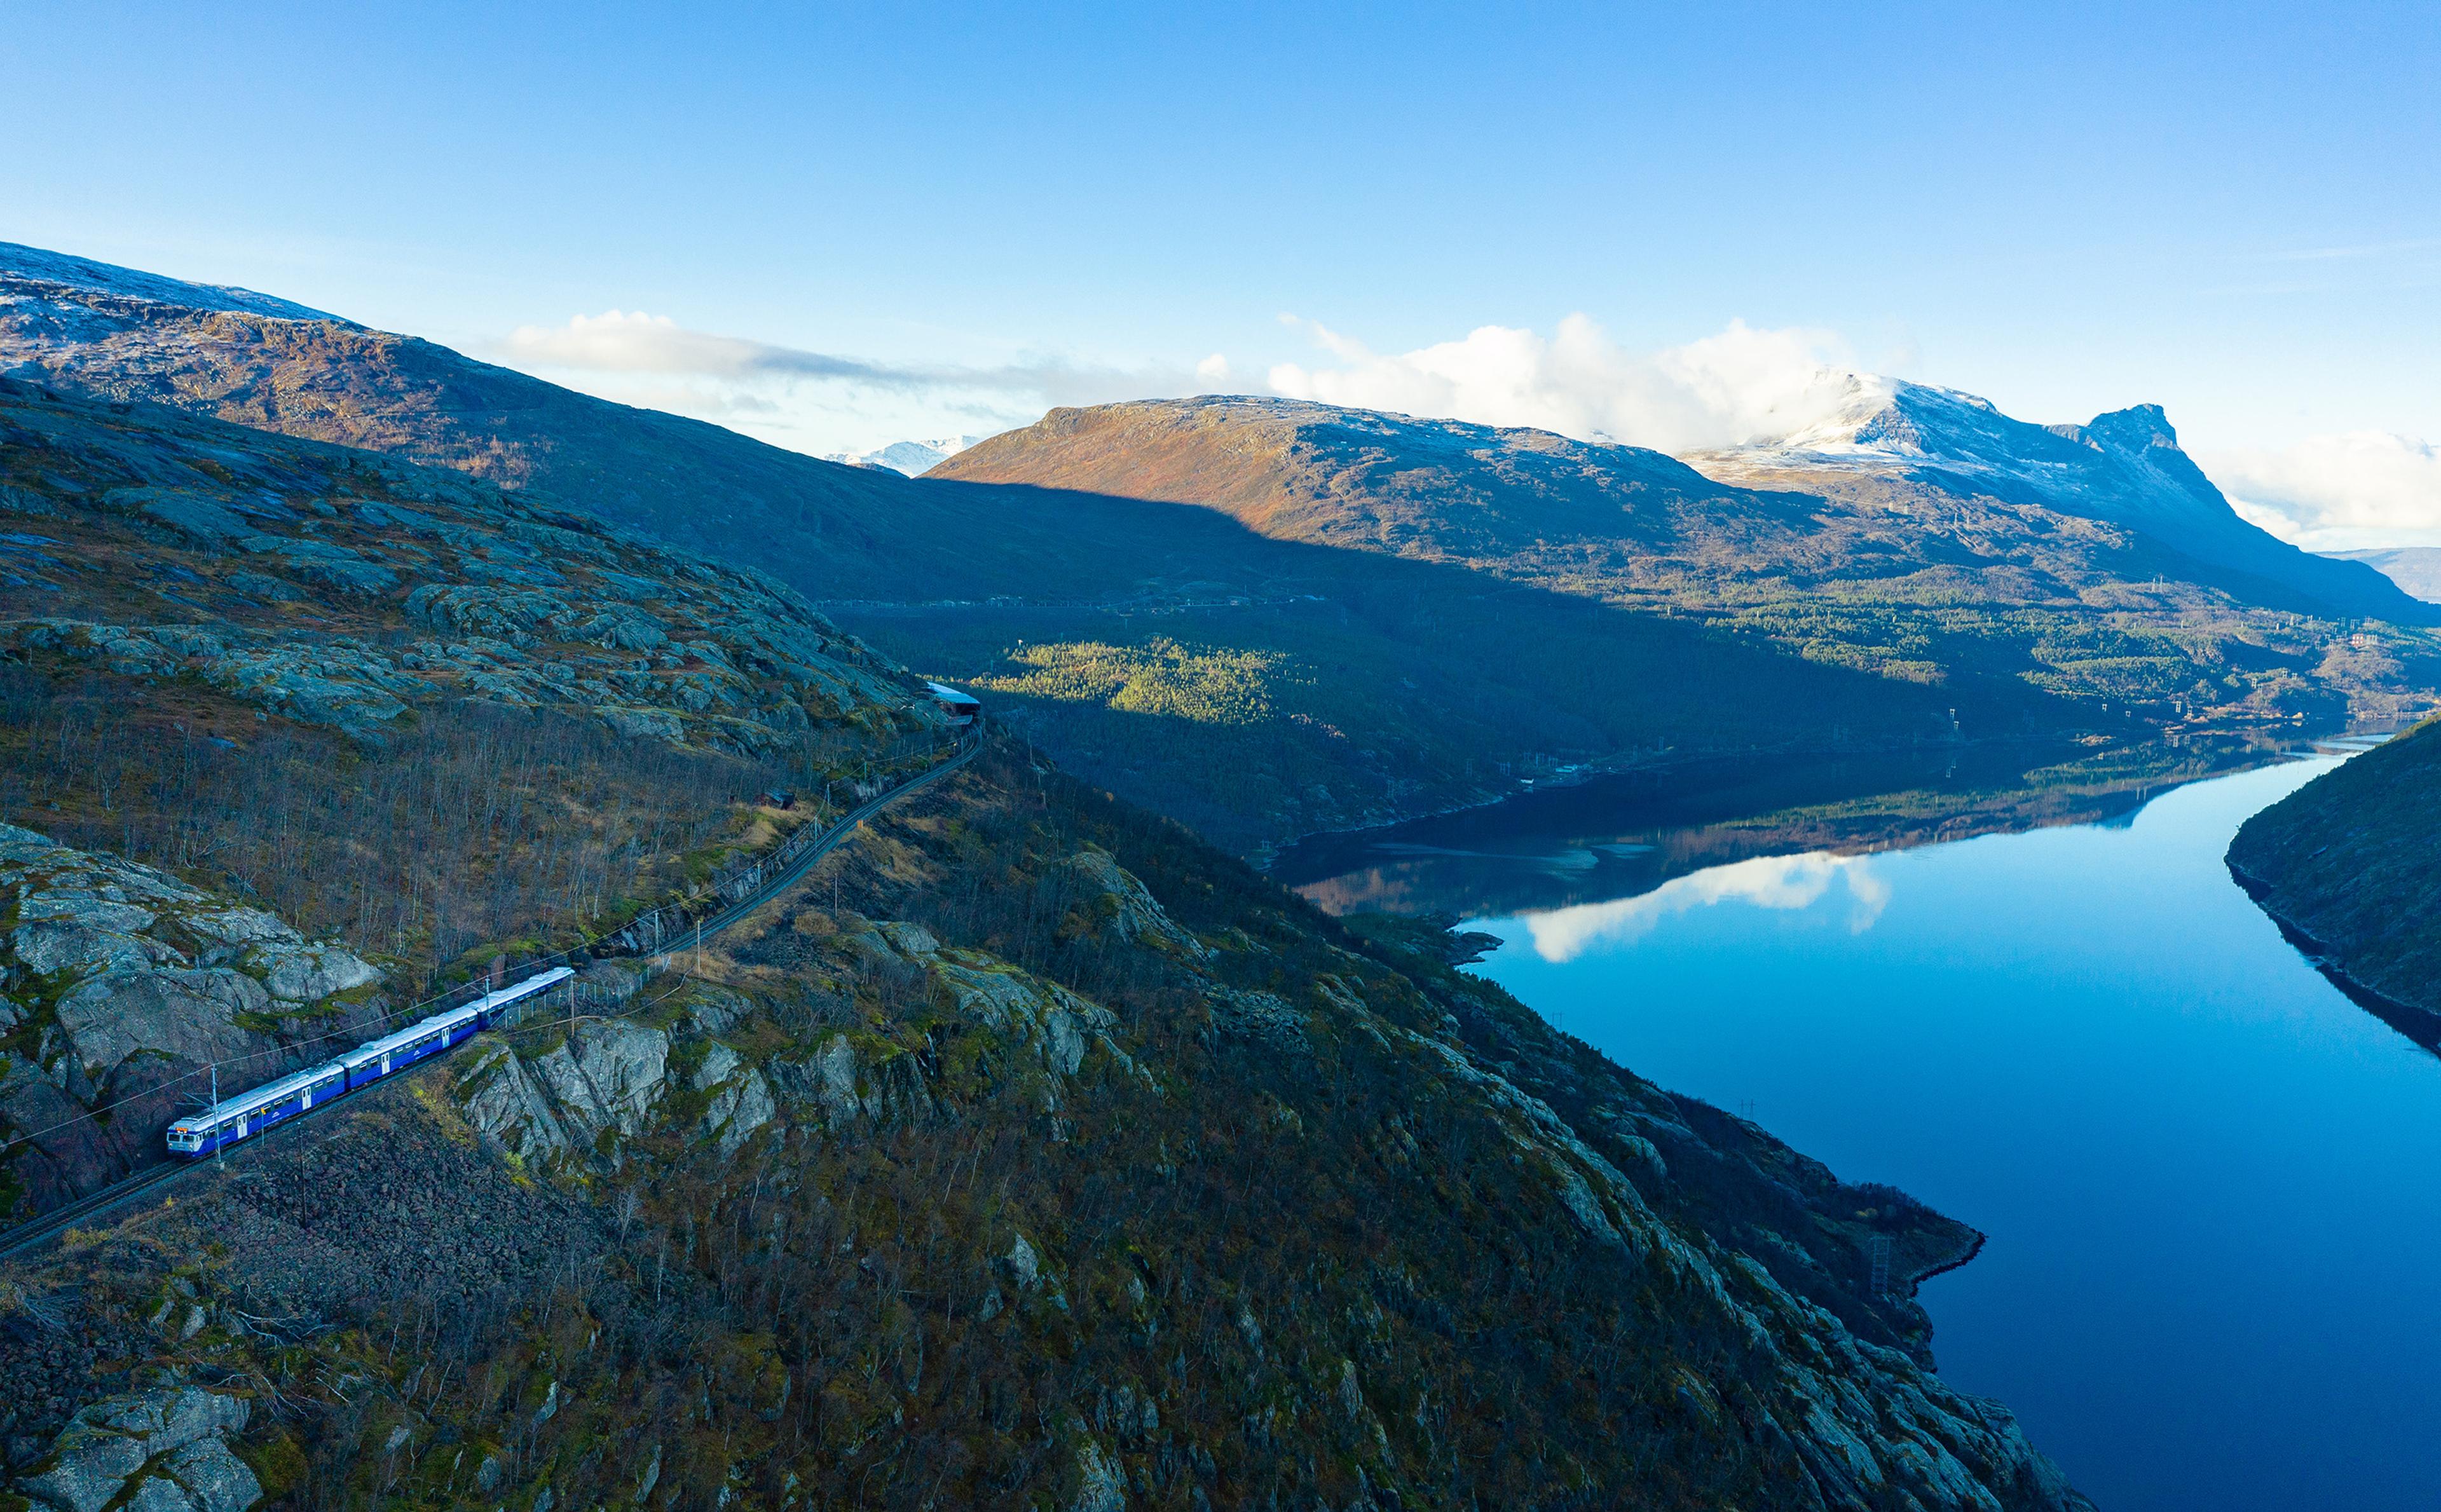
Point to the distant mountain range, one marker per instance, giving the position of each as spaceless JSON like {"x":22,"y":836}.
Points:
{"x":234,"y":356}
{"x":2416,"y":568}
{"x":909,"y":458}
{"x":1267,"y":617}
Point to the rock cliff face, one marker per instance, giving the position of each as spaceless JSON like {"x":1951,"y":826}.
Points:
{"x":163,"y":1450}
{"x":119,"y":986}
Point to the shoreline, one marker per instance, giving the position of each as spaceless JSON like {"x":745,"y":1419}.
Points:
{"x":1947,"y":1266}
{"x":2418,"y":1023}
{"x":1600,"y":768}
{"x":1266,"y":859}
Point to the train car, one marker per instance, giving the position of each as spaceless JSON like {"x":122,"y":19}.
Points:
{"x":228,"y":1122}
{"x":376,"y":1058}
{"x":961,"y":709}
{"x":489,"y":1007}
{"x":225,"y":1123}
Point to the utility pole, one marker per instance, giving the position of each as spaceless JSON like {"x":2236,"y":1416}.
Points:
{"x":699,"y":947}
{"x":216,"y":1113}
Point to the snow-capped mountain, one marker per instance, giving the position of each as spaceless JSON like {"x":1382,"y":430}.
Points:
{"x":2124,"y":466}
{"x":911,"y":458}
{"x":24,"y":269}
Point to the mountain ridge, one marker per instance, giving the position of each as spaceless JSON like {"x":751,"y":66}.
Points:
{"x":1374,"y":616}
{"x":70,"y":272}
{"x":2416,"y":568}
{"x":2123,"y":466}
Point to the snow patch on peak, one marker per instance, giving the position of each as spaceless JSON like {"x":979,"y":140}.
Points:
{"x":912,"y":458}
{"x":33,"y":264}
{"x":1885,"y":417}
{"x":2123,"y":465}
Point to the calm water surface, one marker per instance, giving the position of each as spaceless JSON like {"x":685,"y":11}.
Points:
{"x":2211,"y":1183}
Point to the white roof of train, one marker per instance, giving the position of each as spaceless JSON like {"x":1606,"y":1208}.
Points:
{"x":374,"y":1049}
{"x":262,"y":1097}
{"x":271,"y":1092}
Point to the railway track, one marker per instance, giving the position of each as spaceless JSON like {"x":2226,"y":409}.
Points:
{"x":161,"y":1178}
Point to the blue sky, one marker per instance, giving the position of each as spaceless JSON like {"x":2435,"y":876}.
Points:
{"x":2229,"y":210}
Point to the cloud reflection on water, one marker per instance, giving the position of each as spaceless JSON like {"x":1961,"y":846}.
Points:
{"x":1783,"y":883}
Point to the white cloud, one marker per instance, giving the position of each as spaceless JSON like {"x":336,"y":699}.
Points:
{"x":1781,"y":883}
{"x":620,"y":341}
{"x":1738,"y":385}
{"x":2336,"y":493}
{"x":821,"y":402}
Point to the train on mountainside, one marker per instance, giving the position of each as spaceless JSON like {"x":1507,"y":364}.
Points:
{"x":961,"y":709}
{"x":226,"y":1123}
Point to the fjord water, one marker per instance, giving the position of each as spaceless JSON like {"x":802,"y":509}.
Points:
{"x":2211,"y":1184}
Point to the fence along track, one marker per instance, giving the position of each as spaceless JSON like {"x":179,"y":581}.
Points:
{"x":731,"y":896}
{"x":755,"y":881}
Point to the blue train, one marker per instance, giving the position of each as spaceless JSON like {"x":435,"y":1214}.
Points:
{"x":226,"y":1123}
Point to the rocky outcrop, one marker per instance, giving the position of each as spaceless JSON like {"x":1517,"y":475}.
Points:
{"x":1265,"y":1017}
{"x":1115,"y":902}
{"x":505,"y":1104}
{"x":311,"y":972}
{"x":328,"y":681}
{"x":605,"y":1082}
{"x":741,"y":1099}
{"x":1055,"y":1023}
{"x":121,"y":983}
{"x":188,"y":1017}
{"x":606,"y":1077}
{"x":1056,"y":1026}
{"x":159,"y":1451}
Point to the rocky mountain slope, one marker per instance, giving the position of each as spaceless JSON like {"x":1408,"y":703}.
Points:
{"x":254,"y":360}
{"x":2125,"y":467}
{"x":1984,"y":592}
{"x":1376,"y":688}
{"x":2350,"y":865}
{"x":433,"y":667}
{"x":879,"y":1210}
{"x":1034,"y":1153}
